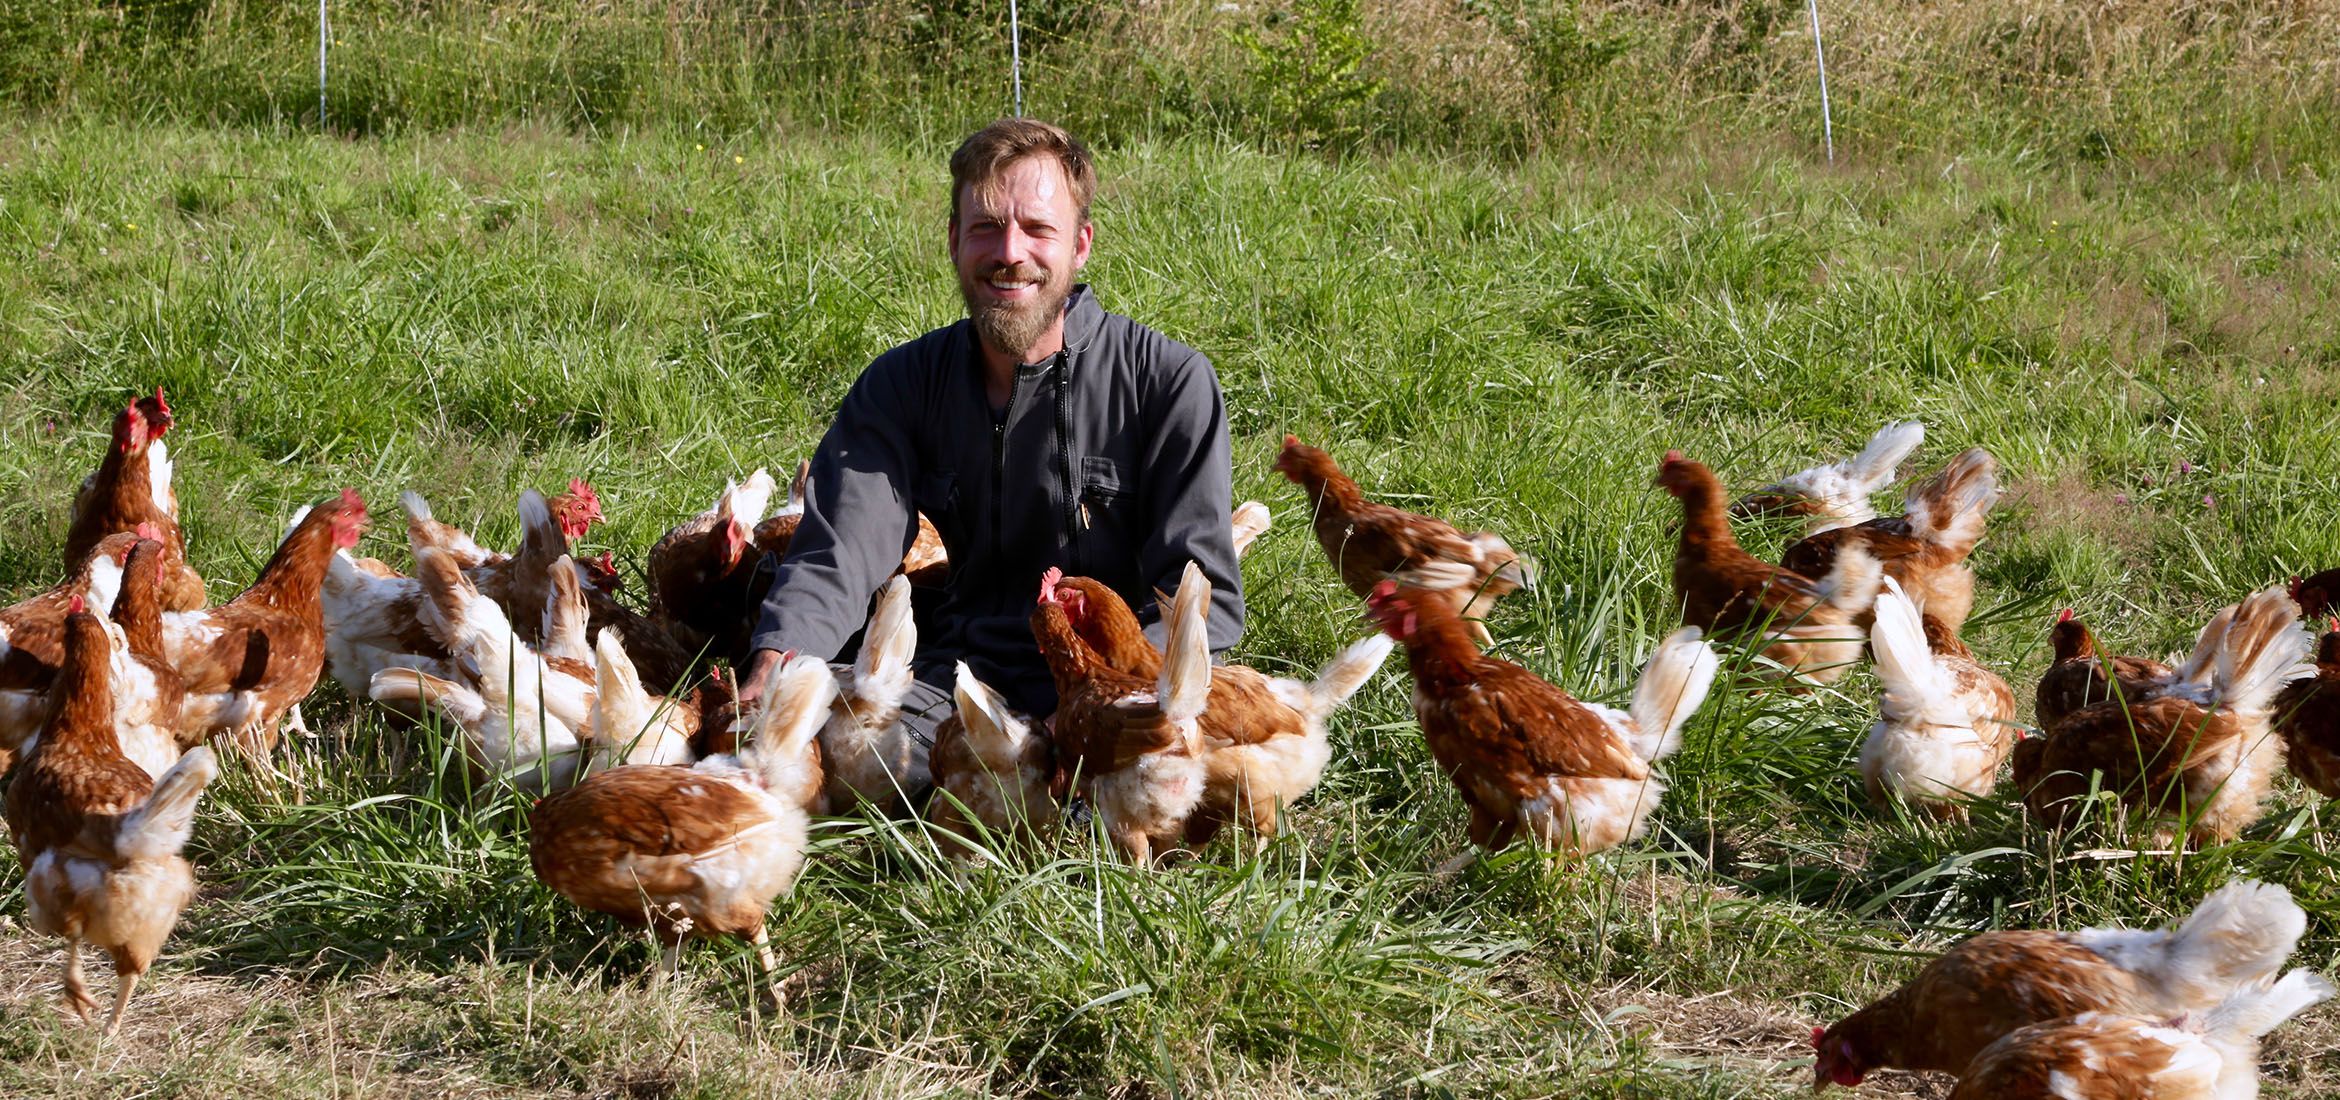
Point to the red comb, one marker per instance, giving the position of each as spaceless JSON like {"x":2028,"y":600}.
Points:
{"x":1048,"y":582}
{"x":1291,"y":440}
{"x":1817,"y":1032}
{"x":2064,"y":616}
{"x":1674,"y":456}
{"x":582,"y":495}
{"x":150,"y":532}
{"x":76,"y":605}
{"x":350,"y":499}
{"x":2333,"y":624}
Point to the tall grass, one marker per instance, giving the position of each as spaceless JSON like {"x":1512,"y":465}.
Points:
{"x":1508,"y":343}
{"x":2248,"y":83}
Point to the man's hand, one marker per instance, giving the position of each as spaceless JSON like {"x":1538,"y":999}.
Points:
{"x":759,"y":673}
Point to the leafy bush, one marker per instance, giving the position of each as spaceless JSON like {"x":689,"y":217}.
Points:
{"x":1308,"y":65}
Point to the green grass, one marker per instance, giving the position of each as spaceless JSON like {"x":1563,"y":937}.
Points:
{"x":1508,"y":345}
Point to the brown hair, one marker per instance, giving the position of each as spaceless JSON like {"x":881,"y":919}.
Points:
{"x":987,"y":152}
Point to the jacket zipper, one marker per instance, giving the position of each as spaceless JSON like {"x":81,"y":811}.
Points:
{"x":999,"y":431}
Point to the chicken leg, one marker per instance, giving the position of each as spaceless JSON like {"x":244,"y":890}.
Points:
{"x":124,"y":982}
{"x":767,"y":967}
{"x":77,"y":995}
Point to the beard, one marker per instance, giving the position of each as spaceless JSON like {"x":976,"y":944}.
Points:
{"x":1014,"y":327}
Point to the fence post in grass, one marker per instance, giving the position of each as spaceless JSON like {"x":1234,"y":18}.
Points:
{"x":1827,"y":125}
{"x":324,"y":38}
{"x":1015,"y":55}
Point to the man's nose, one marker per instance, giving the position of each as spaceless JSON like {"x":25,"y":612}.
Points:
{"x":1015,"y":245}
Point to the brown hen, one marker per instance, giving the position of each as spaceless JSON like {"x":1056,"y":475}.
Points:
{"x":1926,"y":548}
{"x":98,"y":837}
{"x":248,"y":663}
{"x":1989,"y":985}
{"x":2204,"y":757}
{"x":132,"y":486}
{"x":1577,"y":778}
{"x":32,"y":640}
{"x":2213,"y":1056}
{"x":1143,"y":776}
{"x":1368,"y":542}
{"x":700,"y":851}
{"x":1807,"y":627}
{"x":1264,"y":737}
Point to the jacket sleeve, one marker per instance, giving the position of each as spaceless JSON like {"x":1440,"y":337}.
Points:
{"x":858,"y":519}
{"x":1187,"y":478}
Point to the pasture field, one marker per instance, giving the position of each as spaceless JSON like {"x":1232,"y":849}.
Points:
{"x":2153,"y":354}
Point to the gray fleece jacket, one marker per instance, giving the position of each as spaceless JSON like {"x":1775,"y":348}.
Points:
{"x":1111,"y":462}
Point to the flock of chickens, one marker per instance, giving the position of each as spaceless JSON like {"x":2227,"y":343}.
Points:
{"x":666,"y":803}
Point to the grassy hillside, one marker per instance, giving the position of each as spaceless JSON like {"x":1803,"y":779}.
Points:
{"x":1510,"y":342}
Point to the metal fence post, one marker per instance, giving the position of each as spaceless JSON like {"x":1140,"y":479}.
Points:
{"x":1015,"y":55}
{"x":1827,"y":124}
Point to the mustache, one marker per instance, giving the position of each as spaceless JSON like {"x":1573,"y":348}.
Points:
{"x":1024,"y":272}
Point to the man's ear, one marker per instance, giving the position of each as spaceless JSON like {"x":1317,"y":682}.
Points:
{"x":951,"y":241}
{"x":1081,"y":249}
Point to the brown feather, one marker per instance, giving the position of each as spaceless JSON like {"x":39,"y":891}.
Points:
{"x":2307,"y":717}
{"x":119,"y":496}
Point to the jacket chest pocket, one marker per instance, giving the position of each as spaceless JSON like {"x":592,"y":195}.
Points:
{"x":1108,"y":499}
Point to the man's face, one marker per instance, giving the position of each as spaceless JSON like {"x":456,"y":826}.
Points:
{"x":1017,"y":245}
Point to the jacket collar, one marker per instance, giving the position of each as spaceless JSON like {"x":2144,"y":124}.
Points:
{"x":1082,"y":317}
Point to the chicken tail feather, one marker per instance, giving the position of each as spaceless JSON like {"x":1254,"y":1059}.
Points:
{"x":795,"y":706}
{"x":1917,"y":691}
{"x":159,"y":826}
{"x":799,"y":488}
{"x":1186,"y":664}
{"x":2241,"y":933}
{"x":1672,"y":687}
{"x":621,"y":707}
{"x":1517,"y":571}
{"x":219,"y":710}
{"x":2202,"y":664}
{"x":417,"y":509}
{"x":745,"y":503}
{"x":1948,"y":509}
{"x":1874,"y":467}
{"x":881,"y":671}
{"x":2259,"y":1008}
{"x":2263,"y":648}
{"x":1348,"y":671}
{"x":1251,"y":520}
{"x":983,"y":714}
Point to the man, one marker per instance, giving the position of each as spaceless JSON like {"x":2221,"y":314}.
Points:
{"x":1041,"y":431}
